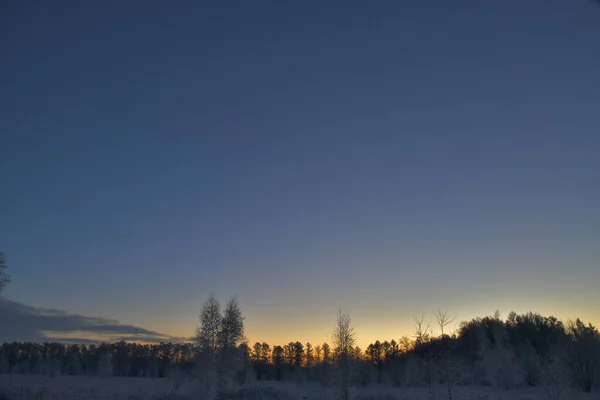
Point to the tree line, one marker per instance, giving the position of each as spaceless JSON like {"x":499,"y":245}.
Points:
{"x":522,"y":350}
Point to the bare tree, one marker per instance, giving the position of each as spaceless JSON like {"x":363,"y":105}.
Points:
{"x":448,"y":363}
{"x":230,"y":336}
{"x":344,"y":340}
{"x":442,"y":319}
{"x":421,"y":335}
{"x":207,"y":334}
{"x":4,"y":278}
{"x":232,"y":326}
{"x":426,"y":364}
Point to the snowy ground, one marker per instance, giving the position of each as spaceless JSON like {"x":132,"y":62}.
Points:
{"x":36,"y":387}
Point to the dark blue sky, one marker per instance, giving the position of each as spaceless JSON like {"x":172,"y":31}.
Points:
{"x":387,"y":156}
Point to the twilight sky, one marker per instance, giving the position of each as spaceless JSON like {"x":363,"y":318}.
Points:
{"x":389,"y":157}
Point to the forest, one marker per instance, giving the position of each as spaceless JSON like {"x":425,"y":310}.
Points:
{"x":522,"y":350}
{"x":527,"y":349}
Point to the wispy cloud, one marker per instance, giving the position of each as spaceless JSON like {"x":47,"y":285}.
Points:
{"x":22,"y":322}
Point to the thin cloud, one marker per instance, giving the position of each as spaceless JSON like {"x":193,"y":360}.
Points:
{"x":22,"y":322}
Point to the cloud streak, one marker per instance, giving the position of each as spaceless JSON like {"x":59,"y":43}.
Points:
{"x":22,"y":322}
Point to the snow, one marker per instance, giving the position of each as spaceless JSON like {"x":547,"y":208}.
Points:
{"x":41,"y":387}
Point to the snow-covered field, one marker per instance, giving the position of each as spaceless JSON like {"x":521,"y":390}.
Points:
{"x":30,"y":387}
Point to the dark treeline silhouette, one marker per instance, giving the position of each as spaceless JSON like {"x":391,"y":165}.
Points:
{"x":523,"y":350}
{"x":118,"y":359}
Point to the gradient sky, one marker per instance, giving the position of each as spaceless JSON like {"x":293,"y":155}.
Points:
{"x":389,"y":157}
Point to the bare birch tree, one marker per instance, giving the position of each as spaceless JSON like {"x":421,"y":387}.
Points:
{"x":442,"y":319}
{"x":344,"y":341}
{"x":207,"y":334}
{"x":230,"y":336}
{"x":449,"y":368}
{"x":4,"y":278}
{"x":426,"y":362}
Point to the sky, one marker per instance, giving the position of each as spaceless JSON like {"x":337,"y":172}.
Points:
{"x":388,"y":157}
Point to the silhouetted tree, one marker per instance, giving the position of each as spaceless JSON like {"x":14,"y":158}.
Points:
{"x":394,"y":350}
{"x":207,"y":334}
{"x":309,"y":355}
{"x":289,"y":353}
{"x":4,"y":278}
{"x":326,"y":354}
{"x":421,"y":334}
{"x":318,"y":354}
{"x":374,"y":353}
{"x":278,"y":360}
{"x":443,"y":319}
{"x":244,"y":372}
{"x":426,"y":354}
{"x":232,"y":326}
{"x":583,"y":353}
{"x":265,"y":352}
{"x":448,"y":364}
{"x":229,"y":338}
{"x":405,"y":344}
{"x":257,"y":352}
{"x":343,"y":340}
{"x":260,"y":355}
{"x":298,"y":353}
{"x":357,"y":353}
